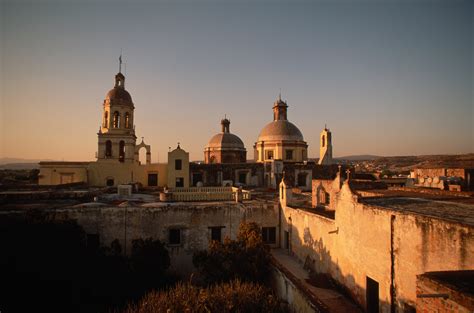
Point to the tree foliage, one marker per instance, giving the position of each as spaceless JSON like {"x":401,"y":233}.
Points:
{"x":149,"y":260}
{"x":246,"y":258}
{"x":51,"y":264}
{"x":234,"y":296}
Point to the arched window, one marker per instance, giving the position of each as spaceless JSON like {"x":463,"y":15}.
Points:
{"x":122,"y":151}
{"x":323,"y":141}
{"x":106,"y":119}
{"x":108,"y":149}
{"x":116,"y":119}
{"x":127,"y":120}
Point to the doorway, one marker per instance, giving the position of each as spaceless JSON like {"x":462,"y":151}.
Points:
{"x":372,"y":295}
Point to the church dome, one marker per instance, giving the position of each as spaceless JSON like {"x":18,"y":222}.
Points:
{"x":225,"y":141}
{"x":279,"y":130}
{"x":118,"y":93}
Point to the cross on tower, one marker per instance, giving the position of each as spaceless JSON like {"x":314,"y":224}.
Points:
{"x":348,"y":172}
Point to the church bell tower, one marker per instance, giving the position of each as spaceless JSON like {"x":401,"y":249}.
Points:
{"x":117,"y":138}
{"x":325,"y":147}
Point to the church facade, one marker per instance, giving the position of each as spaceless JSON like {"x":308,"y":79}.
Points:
{"x":280,"y":148}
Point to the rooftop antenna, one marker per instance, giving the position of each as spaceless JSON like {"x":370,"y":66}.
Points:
{"x":279,"y":95}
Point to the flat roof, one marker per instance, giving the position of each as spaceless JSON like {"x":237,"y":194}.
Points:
{"x":444,"y":210}
{"x":462,"y":281}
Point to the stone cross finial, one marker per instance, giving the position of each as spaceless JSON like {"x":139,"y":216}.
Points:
{"x":348,"y":172}
{"x":178,"y":146}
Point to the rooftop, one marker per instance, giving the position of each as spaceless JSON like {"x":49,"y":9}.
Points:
{"x":462,"y":281}
{"x":445,"y":210}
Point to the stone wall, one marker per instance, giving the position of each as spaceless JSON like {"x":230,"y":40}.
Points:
{"x":368,"y":242}
{"x":435,"y":295}
{"x":129,"y":222}
{"x":288,"y":291}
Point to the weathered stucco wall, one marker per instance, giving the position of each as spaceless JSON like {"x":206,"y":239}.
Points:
{"x":425,"y":244}
{"x":154,"y":220}
{"x":388,"y":246}
{"x":55,"y":173}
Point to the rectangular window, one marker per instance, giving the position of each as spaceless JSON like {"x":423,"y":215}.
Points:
{"x":179,"y":182}
{"x":269,"y":235}
{"x":174,"y":236}
{"x":302,"y":179}
{"x":152,"y":179}
{"x":216,"y":233}
{"x":178,"y":164}
{"x":243,"y":178}
{"x":289,"y":154}
{"x":269,"y":154}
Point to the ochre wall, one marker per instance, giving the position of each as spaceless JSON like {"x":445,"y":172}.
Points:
{"x":362,"y":240}
{"x":50,"y":174}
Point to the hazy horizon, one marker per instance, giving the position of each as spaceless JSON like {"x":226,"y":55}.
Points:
{"x":389,"y":78}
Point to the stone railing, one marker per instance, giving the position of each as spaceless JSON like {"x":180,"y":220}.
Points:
{"x":192,"y":194}
{"x":246,"y":195}
{"x":202,"y":189}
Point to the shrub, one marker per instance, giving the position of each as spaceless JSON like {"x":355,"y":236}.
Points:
{"x":234,"y":296}
{"x":246,"y":258}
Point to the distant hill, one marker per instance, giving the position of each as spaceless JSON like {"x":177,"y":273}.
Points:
{"x":426,"y":161}
{"x":4,"y":161}
{"x":363,"y":157}
{"x":19,"y":164}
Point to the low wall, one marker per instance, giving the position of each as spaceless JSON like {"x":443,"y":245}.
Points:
{"x":287,"y":289}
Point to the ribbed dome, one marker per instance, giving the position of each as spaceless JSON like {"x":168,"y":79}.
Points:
{"x":280,"y":130}
{"x":118,"y":93}
{"x":225,"y":141}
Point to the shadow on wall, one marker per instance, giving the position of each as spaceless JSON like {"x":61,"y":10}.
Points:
{"x":318,"y":261}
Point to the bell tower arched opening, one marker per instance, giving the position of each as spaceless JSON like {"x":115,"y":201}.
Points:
{"x":108,"y":149}
{"x":116,"y":119}
{"x":121,"y":151}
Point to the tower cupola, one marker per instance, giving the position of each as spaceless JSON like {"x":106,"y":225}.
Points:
{"x":280,"y":109}
{"x":225,"y":123}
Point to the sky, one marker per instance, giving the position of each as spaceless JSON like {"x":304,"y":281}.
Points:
{"x":387,"y":77}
